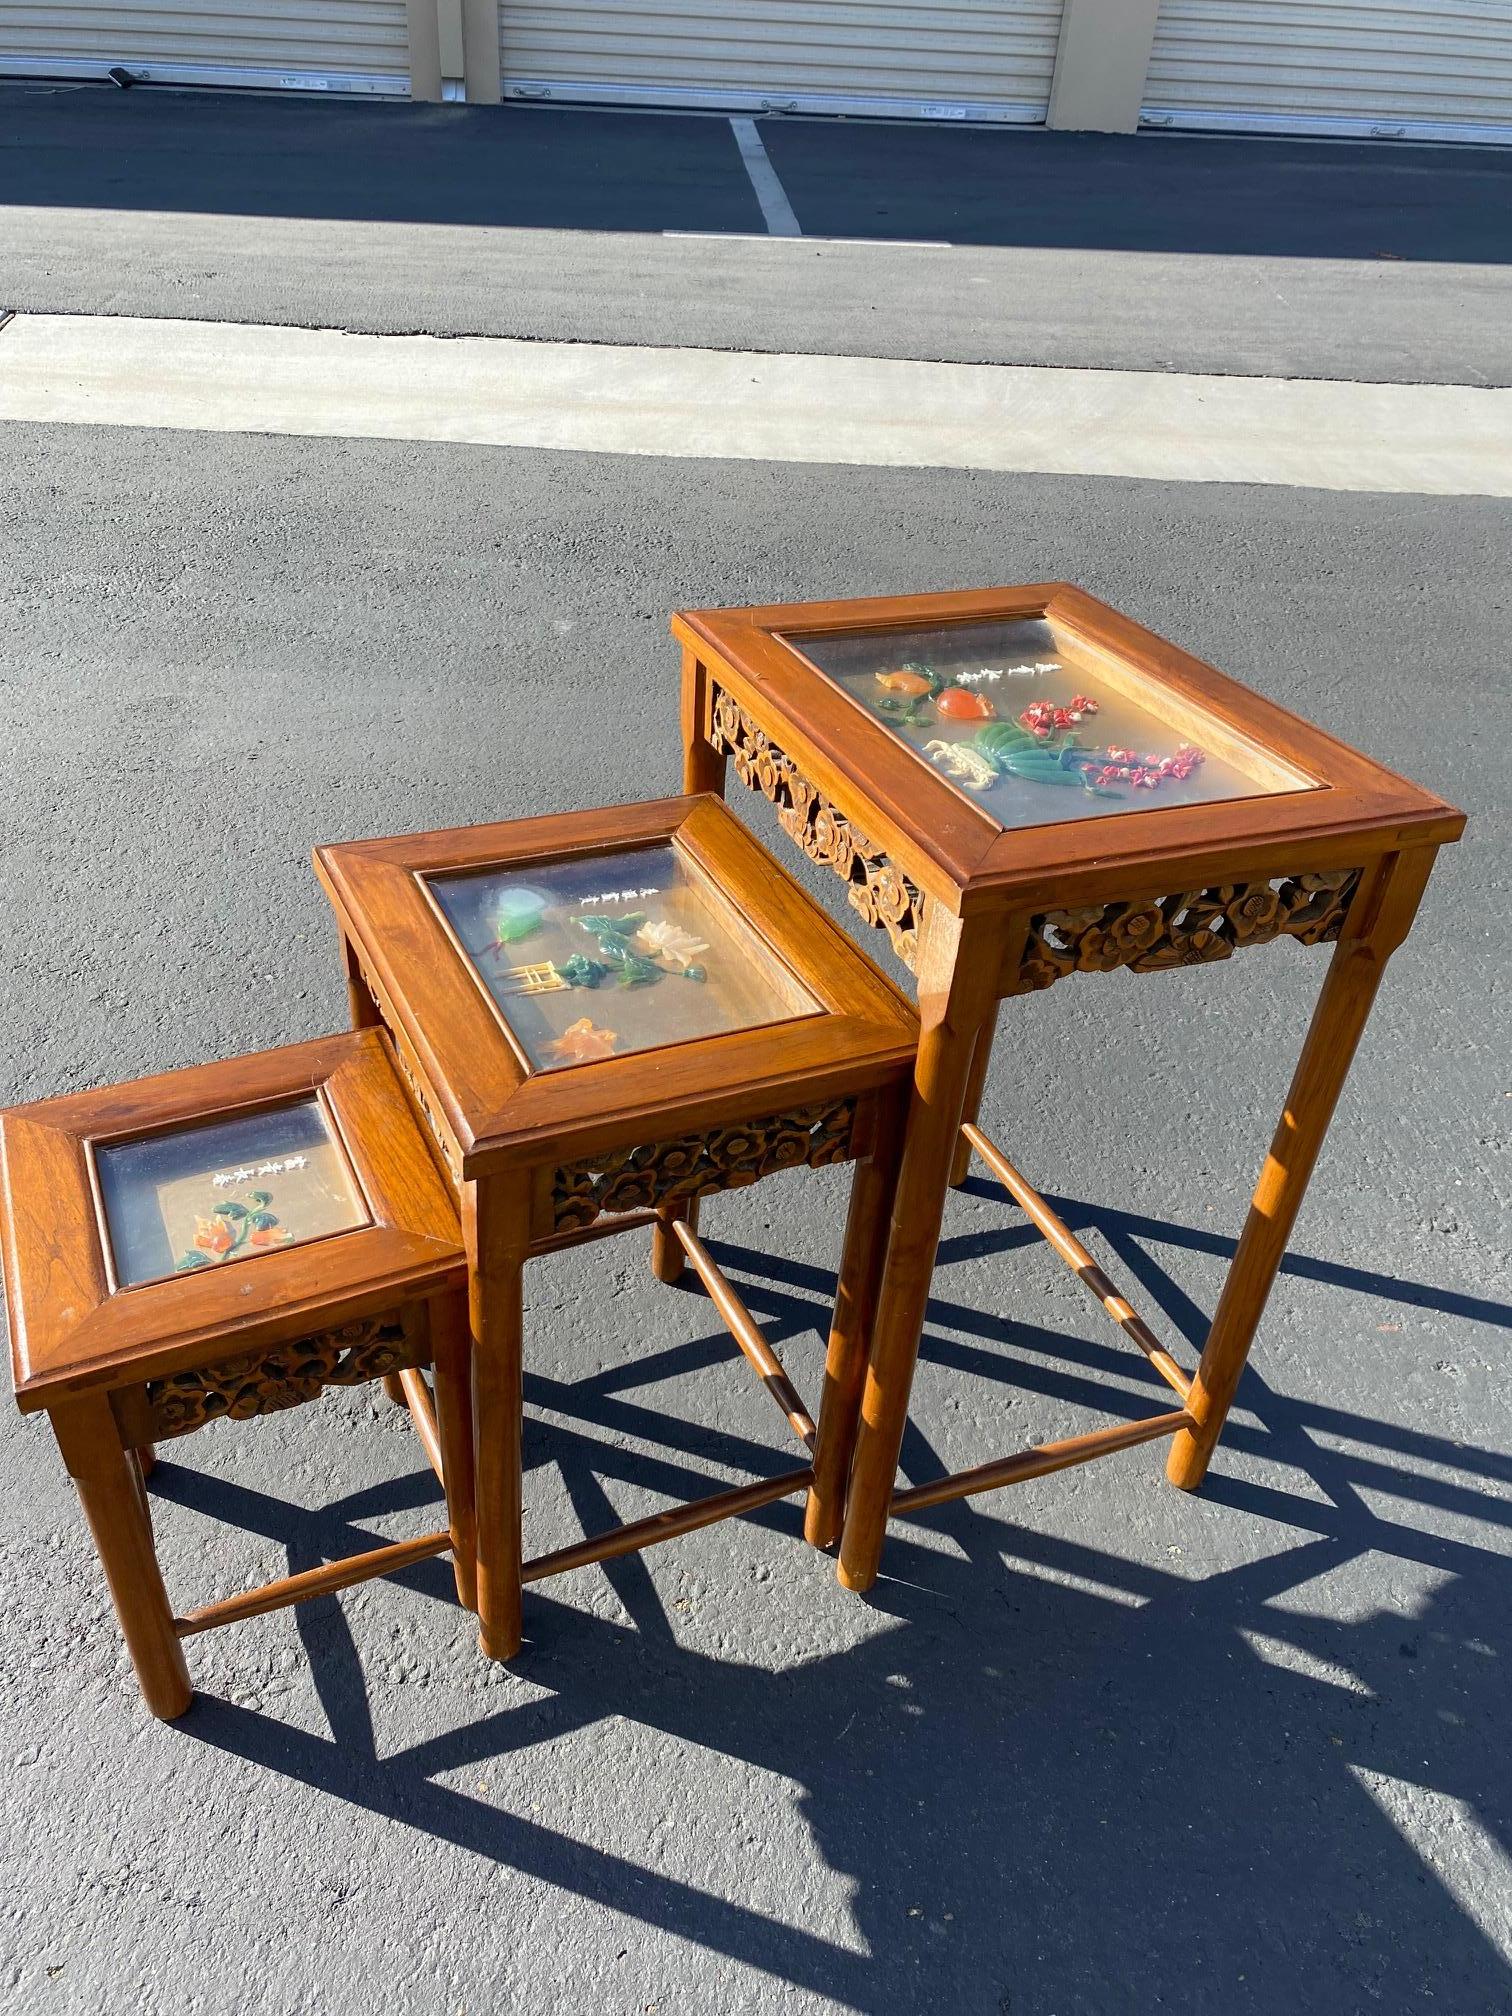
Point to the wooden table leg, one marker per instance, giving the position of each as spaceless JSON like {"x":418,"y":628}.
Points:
{"x":1378,"y":922}
{"x":110,"y":1489}
{"x":667,"y":1256}
{"x":704,"y":767}
{"x":451,"y":1355}
{"x":957,"y":995}
{"x":495,"y":1226}
{"x":146,"y":1456}
{"x":856,"y":1295}
{"x":360,"y":1003}
{"x":981,"y":1059}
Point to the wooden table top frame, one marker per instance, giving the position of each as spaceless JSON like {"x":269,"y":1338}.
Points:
{"x":1329,"y":847}
{"x":118,"y":1368}
{"x":548,"y":1158}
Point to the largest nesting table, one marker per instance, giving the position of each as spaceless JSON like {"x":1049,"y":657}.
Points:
{"x":1006,"y":837}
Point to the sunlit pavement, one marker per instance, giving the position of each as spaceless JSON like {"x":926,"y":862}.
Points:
{"x":1094,"y":1746}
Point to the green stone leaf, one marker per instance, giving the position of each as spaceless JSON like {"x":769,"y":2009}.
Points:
{"x":998,"y":737}
{"x":580,"y":971}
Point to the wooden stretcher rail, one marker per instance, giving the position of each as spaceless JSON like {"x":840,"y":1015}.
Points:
{"x":1078,"y":1259}
{"x":422,"y":1409}
{"x":601,"y":1228}
{"x":1039,"y":1462}
{"x":744,"y":1328}
{"x":313,"y":1582}
{"x":667,"y":1525}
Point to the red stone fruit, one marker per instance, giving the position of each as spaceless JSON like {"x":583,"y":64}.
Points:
{"x":959,"y":703}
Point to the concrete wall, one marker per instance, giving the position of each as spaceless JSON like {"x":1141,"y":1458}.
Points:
{"x":1100,"y":65}
{"x":1098,"y":86}
{"x":453,"y":41}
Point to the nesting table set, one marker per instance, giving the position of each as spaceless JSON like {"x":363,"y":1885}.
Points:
{"x":581,"y":1025}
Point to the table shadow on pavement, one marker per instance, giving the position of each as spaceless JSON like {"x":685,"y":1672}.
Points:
{"x":1044,"y":1782}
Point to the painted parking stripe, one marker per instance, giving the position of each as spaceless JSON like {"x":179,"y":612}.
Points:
{"x":770,"y":194}
{"x":609,"y":399}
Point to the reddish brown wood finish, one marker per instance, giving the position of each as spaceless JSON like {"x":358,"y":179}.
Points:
{"x":69,"y":1332}
{"x":89,"y":1354}
{"x":490,"y":1109}
{"x":982,"y":890}
{"x":505,"y":1131}
{"x":955,"y":851}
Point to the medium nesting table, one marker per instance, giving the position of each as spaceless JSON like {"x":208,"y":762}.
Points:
{"x":1020,"y":784}
{"x":604,"y":1017}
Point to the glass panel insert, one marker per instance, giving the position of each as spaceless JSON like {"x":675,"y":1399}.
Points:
{"x":1038,"y":728}
{"x":603,"y":956}
{"x":225,"y":1190}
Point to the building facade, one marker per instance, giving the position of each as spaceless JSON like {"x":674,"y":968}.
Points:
{"x":1378,"y":69}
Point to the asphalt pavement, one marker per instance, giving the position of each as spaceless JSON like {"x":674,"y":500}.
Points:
{"x":1094,"y":1746}
{"x":1146,"y":252}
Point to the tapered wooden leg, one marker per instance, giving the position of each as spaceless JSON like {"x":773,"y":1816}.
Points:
{"x":110,"y":1489}
{"x":667,"y":1256}
{"x":136,"y":1470}
{"x":146,"y":1457}
{"x":856,"y":1293}
{"x":1359,"y":961}
{"x":451,"y":1355}
{"x":981,"y":1059}
{"x":494,"y":1224}
{"x":957,"y":993}
{"x":703,"y":766}
{"x":393,"y":1385}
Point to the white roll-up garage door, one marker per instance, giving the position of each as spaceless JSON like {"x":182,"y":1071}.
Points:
{"x":281,"y":45}
{"x":1385,"y":69}
{"x":961,"y":59}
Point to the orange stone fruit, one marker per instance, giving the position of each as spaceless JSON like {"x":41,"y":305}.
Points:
{"x":910,"y":684}
{"x":959,"y":703}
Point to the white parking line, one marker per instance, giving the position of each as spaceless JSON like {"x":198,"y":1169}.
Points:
{"x":808,"y":239}
{"x":770,"y":194}
{"x":609,"y":399}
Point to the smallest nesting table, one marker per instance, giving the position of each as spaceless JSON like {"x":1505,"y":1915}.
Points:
{"x":605,"y":1016}
{"x":215,"y":1244}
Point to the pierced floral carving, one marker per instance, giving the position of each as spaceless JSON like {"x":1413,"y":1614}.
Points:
{"x":1191,"y":928}
{"x":265,"y":1382}
{"x":879,"y":893}
{"x":632,"y":1179}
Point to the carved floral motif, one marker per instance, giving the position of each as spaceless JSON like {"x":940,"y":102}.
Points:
{"x":287,"y":1375}
{"x":632,"y":1179}
{"x":1191,"y":928}
{"x":879,"y":893}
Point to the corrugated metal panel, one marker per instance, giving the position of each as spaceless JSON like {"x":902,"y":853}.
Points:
{"x":968,"y":59}
{"x":1435,"y":69}
{"x":346,"y":45}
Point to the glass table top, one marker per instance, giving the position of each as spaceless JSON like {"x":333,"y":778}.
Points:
{"x":225,"y":1190}
{"x":1034,"y":727}
{"x":613,"y":953}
